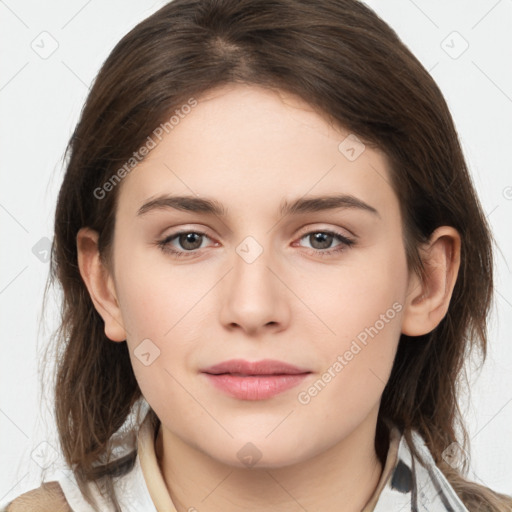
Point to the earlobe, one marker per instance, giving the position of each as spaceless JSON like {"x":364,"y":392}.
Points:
{"x":99,"y":283}
{"x":428,"y":298}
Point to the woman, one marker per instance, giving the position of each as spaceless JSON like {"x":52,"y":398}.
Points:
{"x":266,"y":233}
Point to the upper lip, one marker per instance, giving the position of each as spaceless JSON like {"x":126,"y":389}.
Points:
{"x":263,"y":367}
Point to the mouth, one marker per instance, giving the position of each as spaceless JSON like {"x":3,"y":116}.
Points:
{"x":258,"y":380}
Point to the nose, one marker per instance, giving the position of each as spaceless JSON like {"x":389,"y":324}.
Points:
{"x":254,"y":297}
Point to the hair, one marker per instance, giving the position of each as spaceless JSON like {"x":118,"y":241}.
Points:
{"x":348,"y":64}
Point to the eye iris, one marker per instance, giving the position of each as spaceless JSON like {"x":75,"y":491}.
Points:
{"x":325,"y":240}
{"x":189,"y":240}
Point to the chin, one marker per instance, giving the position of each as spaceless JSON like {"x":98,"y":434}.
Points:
{"x":252,"y":453}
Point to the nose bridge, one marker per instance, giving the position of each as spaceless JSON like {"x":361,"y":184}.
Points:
{"x":253,"y":298}
{"x":251,"y":270}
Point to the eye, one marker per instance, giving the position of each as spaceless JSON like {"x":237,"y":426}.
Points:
{"x":321,"y":240}
{"x":189,"y":241}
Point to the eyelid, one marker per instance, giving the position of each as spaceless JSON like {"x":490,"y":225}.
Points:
{"x":333,"y":229}
{"x":186,"y":228}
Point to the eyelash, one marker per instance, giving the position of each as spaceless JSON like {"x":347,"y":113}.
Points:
{"x":345,"y":243}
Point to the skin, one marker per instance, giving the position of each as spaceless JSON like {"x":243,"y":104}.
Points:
{"x":250,"y":148}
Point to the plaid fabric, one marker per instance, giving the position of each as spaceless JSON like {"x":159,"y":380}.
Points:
{"x":410,"y":486}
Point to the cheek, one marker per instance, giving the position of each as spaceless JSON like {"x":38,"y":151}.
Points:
{"x":362,"y":310}
{"x":154,"y":303}
{"x":157,"y":294}
{"x":159,"y":344}
{"x":369,"y":290}
{"x":357,"y":359}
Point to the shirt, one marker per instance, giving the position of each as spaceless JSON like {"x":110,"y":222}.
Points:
{"x":405,"y":484}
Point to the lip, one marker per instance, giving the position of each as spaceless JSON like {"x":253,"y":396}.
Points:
{"x":257,"y":380}
{"x":263,"y":367}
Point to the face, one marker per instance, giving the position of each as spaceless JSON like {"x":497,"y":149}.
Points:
{"x":319,"y":287}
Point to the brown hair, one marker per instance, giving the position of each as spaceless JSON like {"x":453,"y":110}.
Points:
{"x":341,"y":58}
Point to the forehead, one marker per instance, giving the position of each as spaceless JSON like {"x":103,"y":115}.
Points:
{"x":247,"y":144}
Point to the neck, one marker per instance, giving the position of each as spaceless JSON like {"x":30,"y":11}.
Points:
{"x":346,"y":473}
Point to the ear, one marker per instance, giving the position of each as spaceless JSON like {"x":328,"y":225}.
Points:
{"x":100,"y":284}
{"x":428,"y":299}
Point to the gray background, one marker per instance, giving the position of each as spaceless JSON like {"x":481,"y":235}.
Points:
{"x":41,"y":95}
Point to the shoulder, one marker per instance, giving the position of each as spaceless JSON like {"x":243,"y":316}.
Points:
{"x":49,"y":497}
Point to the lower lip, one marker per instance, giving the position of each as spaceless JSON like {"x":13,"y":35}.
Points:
{"x":255,"y":387}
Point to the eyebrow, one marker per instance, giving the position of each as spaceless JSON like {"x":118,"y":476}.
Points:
{"x":298,"y":206}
